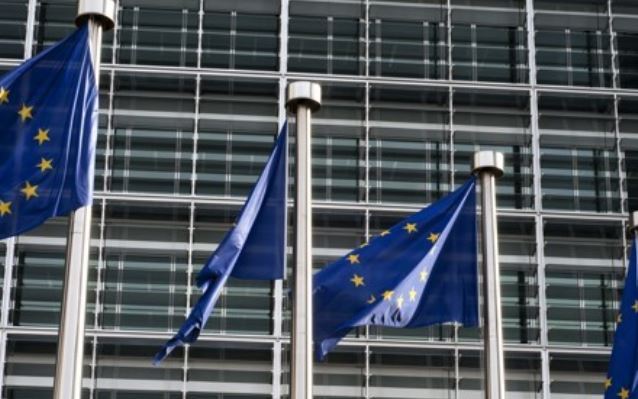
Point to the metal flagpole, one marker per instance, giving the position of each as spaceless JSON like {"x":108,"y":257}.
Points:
{"x":70,"y":358}
{"x":303,"y":98}
{"x":489,"y":165}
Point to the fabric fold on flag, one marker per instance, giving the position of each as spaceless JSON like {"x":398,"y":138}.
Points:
{"x":253,"y":249}
{"x":622,"y":377}
{"x":48,"y":115}
{"x":422,"y":271}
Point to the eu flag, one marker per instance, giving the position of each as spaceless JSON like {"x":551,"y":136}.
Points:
{"x":48,"y":111}
{"x":253,"y":249}
{"x":622,"y":378}
{"x":422,"y":271}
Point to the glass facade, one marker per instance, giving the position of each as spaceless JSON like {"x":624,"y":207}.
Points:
{"x":192,"y":93}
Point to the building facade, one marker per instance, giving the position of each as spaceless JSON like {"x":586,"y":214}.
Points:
{"x":192,"y":93}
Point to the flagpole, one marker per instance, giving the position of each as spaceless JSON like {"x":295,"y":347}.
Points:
{"x":303,"y":99}
{"x":489,"y":165}
{"x":633,"y":223}
{"x":70,"y":357}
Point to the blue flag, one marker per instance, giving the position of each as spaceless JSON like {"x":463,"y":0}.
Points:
{"x":422,"y":271}
{"x":48,"y":113}
{"x":253,"y":249}
{"x":622,"y":378}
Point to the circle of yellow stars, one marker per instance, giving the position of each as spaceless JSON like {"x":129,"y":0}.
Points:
{"x":29,"y":190}
{"x":388,"y":295}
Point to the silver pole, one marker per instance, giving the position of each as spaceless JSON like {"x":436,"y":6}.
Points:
{"x":303,"y":98}
{"x":489,"y":165}
{"x":70,"y":357}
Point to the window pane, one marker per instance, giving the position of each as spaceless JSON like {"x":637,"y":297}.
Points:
{"x":408,"y":41}
{"x":237,"y":130}
{"x":13,"y":23}
{"x":578,"y":153}
{"x":145,"y":266}
{"x":409,"y":145}
{"x":584,"y":265}
{"x":152,"y":137}
{"x":326,"y":37}
{"x":575,"y":375}
{"x":123,"y":370}
{"x":165,"y":34}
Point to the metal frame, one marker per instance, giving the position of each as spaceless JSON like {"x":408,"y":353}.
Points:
{"x":277,"y":339}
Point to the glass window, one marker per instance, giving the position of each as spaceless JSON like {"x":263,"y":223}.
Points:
{"x":489,"y":44}
{"x":497,"y":121}
{"x":326,"y":37}
{"x":411,"y":373}
{"x":628,"y":127}
{"x":123,"y":370}
{"x":342,"y":374}
{"x":152,"y":138}
{"x":409,"y":145}
{"x":408,"y":41}
{"x":584,"y":263}
{"x":578,"y":153}
{"x":13,"y":23}
{"x":573,"y":46}
{"x":338,"y":144}
{"x":225,"y":368}
{"x":144,"y":276}
{"x":244,"y":306}
{"x":241,"y":36}
{"x":30,"y":367}
{"x":164,"y":34}
{"x":237,"y":130}
{"x":626,"y":43}
{"x":574,"y":375}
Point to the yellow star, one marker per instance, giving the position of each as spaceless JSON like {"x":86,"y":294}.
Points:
{"x":29,"y":190}
{"x":384,"y":233}
{"x":424,"y":276}
{"x":623,"y":394}
{"x":357,"y":280}
{"x":42,"y":136}
{"x":45,"y":164}
{"x":4,"y":95}
{"x":400,"y":302}
{"x":608,"y":383}
{"x":410,"y":227}
{"x":433,"y":237}
{"x":635,"y":306}
{"x":372,"y":299}
{"x":619,"y":318}
{"x":25,"y":112}
{"x":413,"y":295}
{"x":353,"y":258}
{"x":387,"y":295}
{"x":5,"y":208}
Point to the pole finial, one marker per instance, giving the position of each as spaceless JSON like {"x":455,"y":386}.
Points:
{"x":102,"y":10}
{"x":304,"y":93}
{"x":633,"y":222}
{"x":489,"y":161}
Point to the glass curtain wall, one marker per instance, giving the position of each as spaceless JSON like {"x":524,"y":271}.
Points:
{"x":191,"y":97}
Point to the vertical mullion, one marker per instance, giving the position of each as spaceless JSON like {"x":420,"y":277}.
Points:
{"x":30,"y":29}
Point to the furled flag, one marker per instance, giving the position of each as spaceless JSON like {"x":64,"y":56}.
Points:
{"x":622,"y":378}
{"x":48,"y":113}
{"x":253,"y":249}
{"x":422,"y":271}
